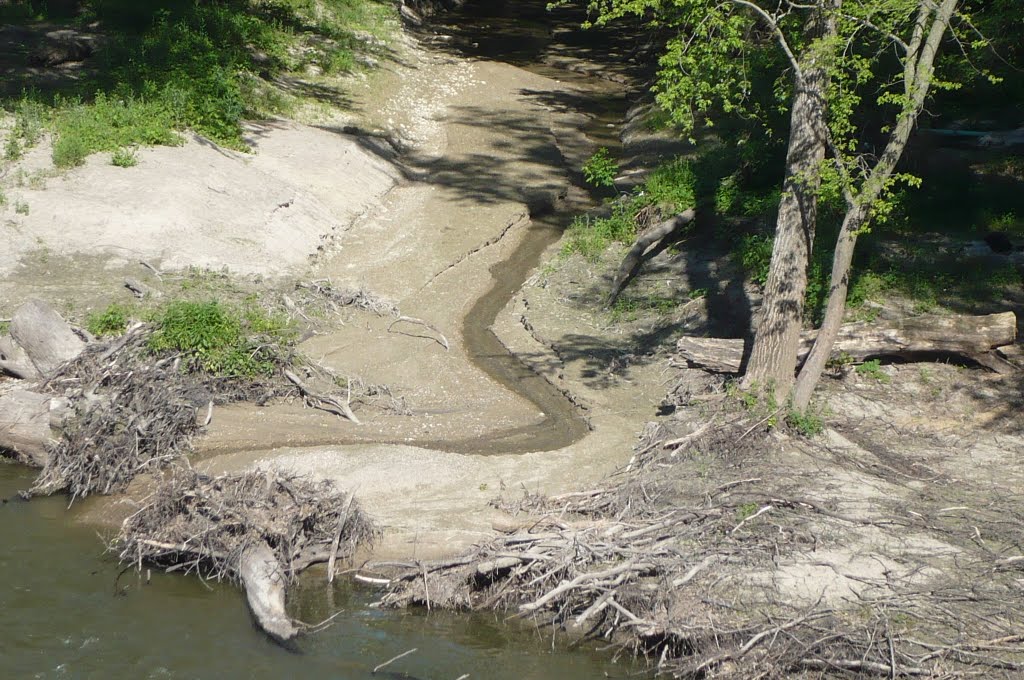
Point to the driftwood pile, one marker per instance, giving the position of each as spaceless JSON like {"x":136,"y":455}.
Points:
{"x":95,"y":415}
{"x":685,"y":579}
{"x":259,"y":528}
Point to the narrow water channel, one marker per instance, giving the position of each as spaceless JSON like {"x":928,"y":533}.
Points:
{"x":523,"y":34}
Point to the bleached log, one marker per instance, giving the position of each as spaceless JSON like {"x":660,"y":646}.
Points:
{"x":14,"y":361}
{"x":264,"y":582}
{"x":25,"y":424}
{"x":972,"y":337}
{"x":47,"y":339}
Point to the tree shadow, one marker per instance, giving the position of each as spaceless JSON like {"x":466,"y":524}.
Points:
{"x":189,"y":53}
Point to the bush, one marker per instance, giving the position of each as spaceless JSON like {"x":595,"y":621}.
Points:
{"x":125,"y":158}
{"x":671,"y":188}
{"x":219,"y":339}
{"x":600,"y":169}
{"x":807,"y":424}
{"x":109,"y":124}
{"x":755,"y":255}
{"x":111,"y":321}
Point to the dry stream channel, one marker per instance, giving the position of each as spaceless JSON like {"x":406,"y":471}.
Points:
{"x":69,"y":611}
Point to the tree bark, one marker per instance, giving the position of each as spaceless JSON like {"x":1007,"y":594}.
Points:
{"x":14,"y":361}
{"x":918,"y":70}
{"x":264,"y":584}
{"x":633,"y":259}
{"x":772,"y":363}
{"x":972,"y":337}
{"x":45,"y":336}
{"x":25,"y":425}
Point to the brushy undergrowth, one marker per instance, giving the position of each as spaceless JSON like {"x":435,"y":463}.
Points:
{"x":222,"y":340}
{"x":670,"y":189}
{"x":169,"y":65}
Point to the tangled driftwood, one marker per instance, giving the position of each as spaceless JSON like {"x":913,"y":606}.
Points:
{"x":671,"y":580}
{"x":105,"y":412}
{"x":260,"y":529}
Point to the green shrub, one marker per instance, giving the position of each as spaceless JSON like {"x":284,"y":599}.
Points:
{"x":600,"y":169}
{"x":109,"y":124}
{"x":671,"y":187}
{"x":125,"y":158}
{"x":755,"y":255}
{"x":807,"y":424}
{"x":219,"y":339}
{"x":873,"y":369}
{"x":111,"y":321}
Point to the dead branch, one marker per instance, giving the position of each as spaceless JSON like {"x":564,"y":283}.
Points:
{"x":441,"y":340}
{"x":973,"y":337}
{"x":322,"y":401}
{"x":645,"y":240}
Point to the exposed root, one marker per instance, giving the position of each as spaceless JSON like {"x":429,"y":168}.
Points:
{"x":321,"y":295}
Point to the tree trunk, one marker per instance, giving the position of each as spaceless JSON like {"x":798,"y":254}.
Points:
{"x":633,"y":259}
{"x":918,"y":70}
{"x":772,"y":363}
{"x":45,"y":336}
{"x":971,"y":337}
{"x":264,"y":584}
{"x":26,"y":419}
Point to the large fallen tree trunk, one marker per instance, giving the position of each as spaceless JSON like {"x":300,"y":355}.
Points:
{"x":47,"y":339}
{"x":971,"y":337}
{"x":27,"y":424}
{"x":635,"y":257}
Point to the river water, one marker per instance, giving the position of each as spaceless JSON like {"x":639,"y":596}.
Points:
{"x":67,"y":610}
{"x":65,"y":613}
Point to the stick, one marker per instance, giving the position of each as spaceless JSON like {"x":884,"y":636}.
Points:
{"x":371,"y":580}
{"x":337,"y":537}
{"x":411,"y":319}
{"x":314,"y":397}
{"x":394,"y":659}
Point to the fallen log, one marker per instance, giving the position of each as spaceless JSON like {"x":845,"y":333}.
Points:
{"x":973,"y":337}
{"x":25,"y":426}
{"x":264,"y":583}
{"x":47,"y":339}
{"x":635,"y":257}
{"x":14,"y":361}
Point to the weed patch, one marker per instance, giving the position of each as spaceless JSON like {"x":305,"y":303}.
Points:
{"x":670,"y":189}
{"x":873,"y":369}
{"x":111,"y":321}
{"x":125,"y":158}
{"x":219,"y":339}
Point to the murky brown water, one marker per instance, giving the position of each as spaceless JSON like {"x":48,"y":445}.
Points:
{"x":66,"y":613}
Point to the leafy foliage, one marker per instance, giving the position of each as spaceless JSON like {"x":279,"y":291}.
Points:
{"x":600,"y":169}
{"x":219,"y":339}
{"x":111,"y":321}
{"x":670,"y":188}
{"x":174,"y":64}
